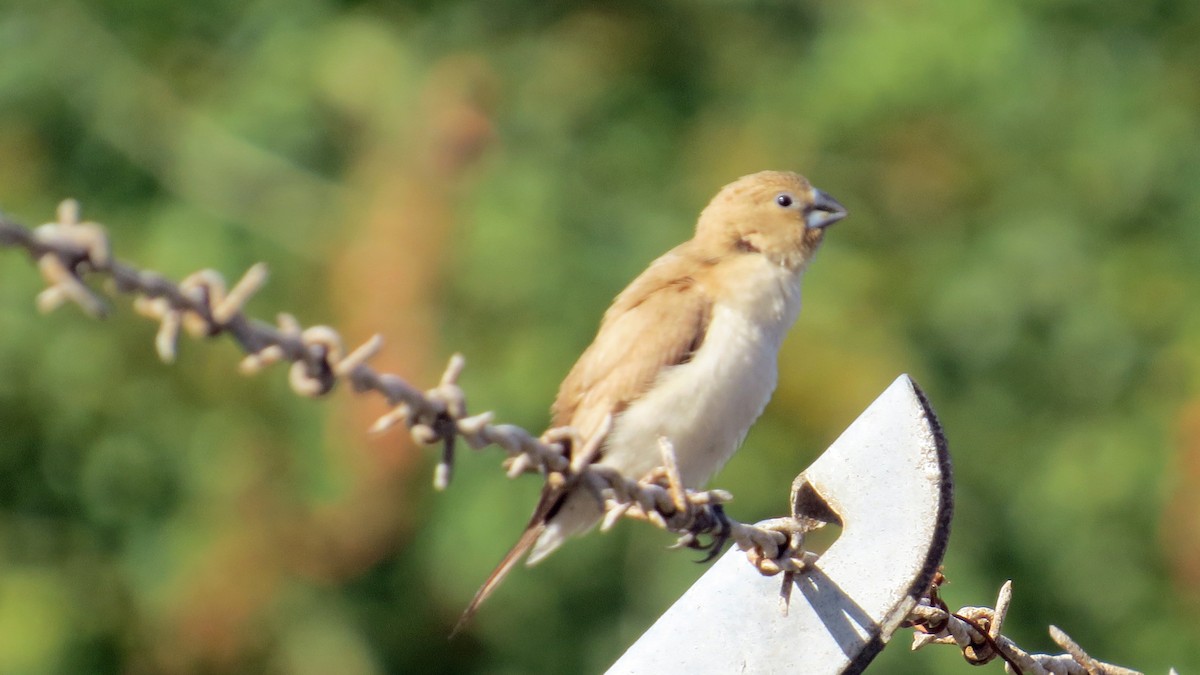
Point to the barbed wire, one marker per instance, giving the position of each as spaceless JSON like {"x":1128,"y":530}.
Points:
{"x":204,"y":306}
{"x":977,"y":632}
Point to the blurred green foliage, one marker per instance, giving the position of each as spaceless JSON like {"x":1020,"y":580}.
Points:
{"x":483,"y":176}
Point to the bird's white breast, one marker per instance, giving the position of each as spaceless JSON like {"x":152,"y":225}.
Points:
{"x":706,"y":405}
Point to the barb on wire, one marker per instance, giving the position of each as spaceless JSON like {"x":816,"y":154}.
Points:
{"x":202,"y":305}
{"x":977,"y":632}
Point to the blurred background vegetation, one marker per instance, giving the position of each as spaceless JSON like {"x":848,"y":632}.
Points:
{"x":483,"y":176}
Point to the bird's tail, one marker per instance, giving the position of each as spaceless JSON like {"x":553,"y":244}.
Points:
{"x":528,"y":537}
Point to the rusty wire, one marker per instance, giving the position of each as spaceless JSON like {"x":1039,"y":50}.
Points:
{"x":977,"y":633}
{"x":204,"y":306}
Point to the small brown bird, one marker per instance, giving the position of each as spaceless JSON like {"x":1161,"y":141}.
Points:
{"x":687,"y":352}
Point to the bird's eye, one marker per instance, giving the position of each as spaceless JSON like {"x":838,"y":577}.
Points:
{"x":784,"y":200}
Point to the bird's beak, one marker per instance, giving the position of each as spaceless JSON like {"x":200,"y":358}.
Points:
{"x":825,"y":211}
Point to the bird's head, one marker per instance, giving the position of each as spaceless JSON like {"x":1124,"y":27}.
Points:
{"x":777,"y":214}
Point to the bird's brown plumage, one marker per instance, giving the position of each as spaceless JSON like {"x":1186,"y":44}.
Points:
{"x":638,"y":344}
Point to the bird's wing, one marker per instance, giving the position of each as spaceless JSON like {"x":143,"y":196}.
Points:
{"x":657,"y":322}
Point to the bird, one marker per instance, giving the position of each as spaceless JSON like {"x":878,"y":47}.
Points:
{"x":687,"y":353}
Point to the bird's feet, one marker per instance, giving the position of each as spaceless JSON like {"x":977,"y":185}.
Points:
{"x":718,"y":527}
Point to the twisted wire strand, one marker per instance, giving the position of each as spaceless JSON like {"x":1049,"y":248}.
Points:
{"x":204,"y":306}
{"x":976,"y":631}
